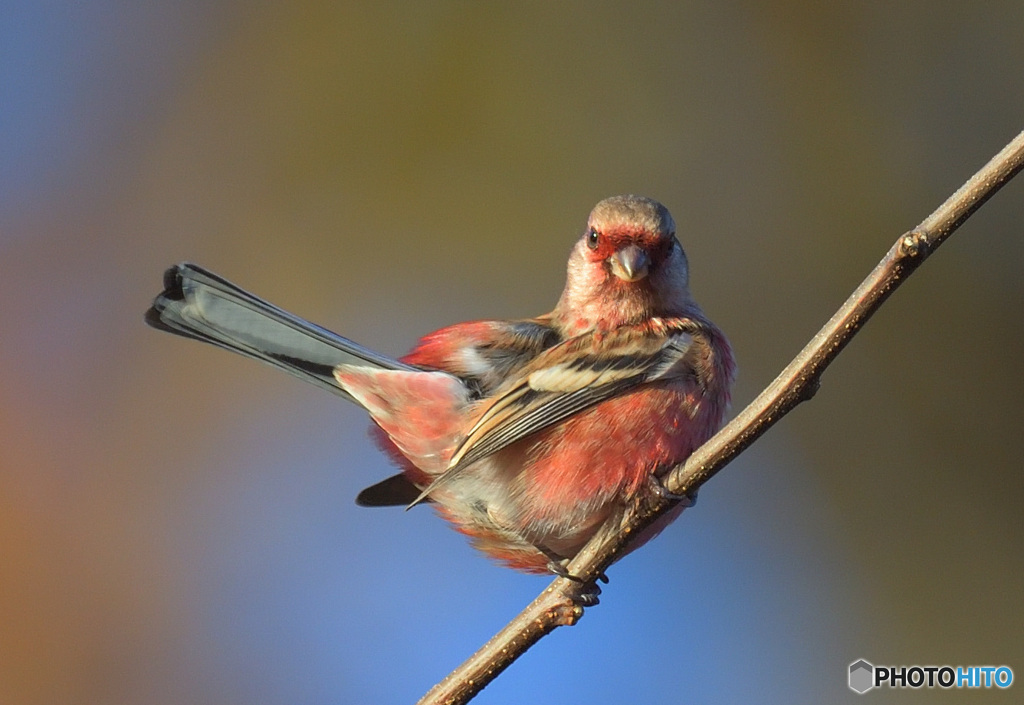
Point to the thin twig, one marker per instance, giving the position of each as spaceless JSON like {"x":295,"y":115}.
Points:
{"x":561,"y":603}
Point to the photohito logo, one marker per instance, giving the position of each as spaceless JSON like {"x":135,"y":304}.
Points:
{"x":864,"y":676}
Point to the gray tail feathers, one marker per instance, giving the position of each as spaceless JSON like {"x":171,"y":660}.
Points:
{"x":198,"y":304}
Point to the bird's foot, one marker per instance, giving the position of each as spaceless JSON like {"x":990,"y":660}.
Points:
{"x":658,"y":489}
{"x":590,"y":591}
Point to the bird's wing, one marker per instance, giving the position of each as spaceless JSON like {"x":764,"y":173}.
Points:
{"x":569,"y":378}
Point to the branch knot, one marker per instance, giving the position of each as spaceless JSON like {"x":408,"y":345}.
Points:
{"x":916,"y":244}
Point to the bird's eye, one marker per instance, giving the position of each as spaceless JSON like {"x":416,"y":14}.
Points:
{"x":593,"y":238}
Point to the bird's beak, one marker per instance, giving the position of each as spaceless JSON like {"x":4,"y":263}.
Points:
{"x":630,"y":263}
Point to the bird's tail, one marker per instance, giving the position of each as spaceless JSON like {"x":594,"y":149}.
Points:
{"x":198,"y":304}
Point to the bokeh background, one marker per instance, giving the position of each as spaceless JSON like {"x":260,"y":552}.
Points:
{"x":177,"y":524}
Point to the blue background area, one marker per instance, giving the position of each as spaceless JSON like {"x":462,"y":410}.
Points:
{"x":177,"y":525}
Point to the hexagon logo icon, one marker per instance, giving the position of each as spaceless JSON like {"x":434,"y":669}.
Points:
{"x":861,"y":676}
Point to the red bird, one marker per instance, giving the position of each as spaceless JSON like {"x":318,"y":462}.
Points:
{"x":525,"y":434}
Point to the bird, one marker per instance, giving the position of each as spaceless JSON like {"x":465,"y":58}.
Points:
{"x":527,"y":435}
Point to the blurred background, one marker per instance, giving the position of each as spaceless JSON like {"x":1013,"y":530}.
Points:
{"x":177,"y":524}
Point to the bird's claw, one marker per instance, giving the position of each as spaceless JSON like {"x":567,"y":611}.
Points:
{"x":687,"y":500}
{"x":589,"y":595}
{"x":589,"y":590}
{"x":560,"y":568}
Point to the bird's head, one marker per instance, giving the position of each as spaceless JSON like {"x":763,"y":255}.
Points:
{"x":626,"y":267}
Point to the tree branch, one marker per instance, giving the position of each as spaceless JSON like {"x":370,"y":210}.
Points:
{"x":562,"y":602}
